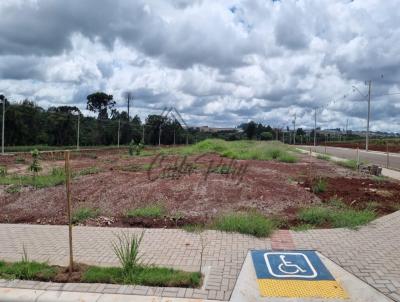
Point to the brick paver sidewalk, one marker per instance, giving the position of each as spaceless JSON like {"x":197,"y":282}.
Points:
{"x":371,"y":253}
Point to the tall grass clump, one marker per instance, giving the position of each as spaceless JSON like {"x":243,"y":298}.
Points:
{"x":126,"y":248}
{"x":251,"y":223}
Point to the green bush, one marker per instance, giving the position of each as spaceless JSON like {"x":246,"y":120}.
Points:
{"x":319,"y":186}
{"x":252,"y":223}
{"x":151,"y":211}
{"x":83,"y":214}
{"x":324,"y":157}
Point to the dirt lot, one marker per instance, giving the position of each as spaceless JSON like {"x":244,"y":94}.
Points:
{"x":194,"y":191}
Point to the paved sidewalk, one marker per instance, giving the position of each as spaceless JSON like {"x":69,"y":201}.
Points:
{"x":371,"y":253}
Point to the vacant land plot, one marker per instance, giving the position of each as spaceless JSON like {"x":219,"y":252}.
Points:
{"x":199,"y":184}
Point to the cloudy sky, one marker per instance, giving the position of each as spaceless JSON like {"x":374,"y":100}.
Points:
{"x":218,"y":62}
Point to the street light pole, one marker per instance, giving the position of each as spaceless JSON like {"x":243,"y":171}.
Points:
{"x":369,"y":114}
{"x":77,"y":137}
{"x":3,"y":123}
{"x":315,"y":127}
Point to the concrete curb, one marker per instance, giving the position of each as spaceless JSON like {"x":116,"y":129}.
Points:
{"x":30,"y":295}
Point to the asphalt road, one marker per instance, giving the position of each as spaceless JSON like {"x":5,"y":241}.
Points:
{"x":375,"y":157}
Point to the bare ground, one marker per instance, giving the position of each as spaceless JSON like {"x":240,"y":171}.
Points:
{"x":274,"y":188}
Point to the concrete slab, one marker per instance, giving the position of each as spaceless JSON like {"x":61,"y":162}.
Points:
{"x":246,"y":289}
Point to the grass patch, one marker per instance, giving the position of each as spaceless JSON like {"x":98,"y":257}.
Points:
{"x":324,"y":157}
{"x":83,"y":214}
{"x":349,"y":163}
{"x":319,"y":186}
{"x":243,"y":149}
{"x":150,"y":276}
{"x":56,"y":177}
{"x":89,"y":171}
{"x":337,"y":218}
{"x":27,"y":270}
{"x":251,"y":223}
{"x":151,"y":211}
{"x":194,"y":228}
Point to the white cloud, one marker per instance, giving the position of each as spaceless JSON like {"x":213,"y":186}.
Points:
{"x":219,"y":62}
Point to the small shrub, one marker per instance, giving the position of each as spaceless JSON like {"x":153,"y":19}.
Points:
{"x":319,"y":186}
{"x":83,"y":214}
{"x":131,"y":148}
{"x":252,"y":223}
{"x":13,"y":189}
{"x":126,"y":248}
{"x":3,"y":171}
{"x":275,"y":153}
{"x":151,"y":211}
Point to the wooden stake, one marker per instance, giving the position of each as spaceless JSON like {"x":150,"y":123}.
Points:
{"x":68,"y":188}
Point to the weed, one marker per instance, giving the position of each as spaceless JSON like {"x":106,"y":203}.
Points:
{"x":319,"y":186}
{"x":252,"y":223}
{"x":83,"y":214}
{"x":379,"y":179}
{"x":89,"y":171}
{"x":13,"y":189}
{"x":3,"y":171}
{"x":287,"y":158}
{"x":151,"y":211}
{"x":319,"y":216}
{"x":126,"y":248}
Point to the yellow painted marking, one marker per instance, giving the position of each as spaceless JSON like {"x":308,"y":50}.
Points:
{"x":301,"y":289}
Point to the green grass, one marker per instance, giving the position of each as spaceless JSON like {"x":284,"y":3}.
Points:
{"x":151,"y":211}
{"x":324,"y":157}
{"x":89,"y":171}
{"x":337,"y":218}
{"x":243,"y":149}
{"x":27,"y":270}
{"x":302,"y":227}
{"x":194,"y":228}
{"x":251,"y":223}
{"x":149,"y":276}
{"x":56,"y":177}
{"x":83,"y":214}
{"x":319,"y":186}
{"x":349,"y":163}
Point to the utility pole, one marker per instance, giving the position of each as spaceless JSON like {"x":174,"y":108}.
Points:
{"x":77,"y":135}
{"x":119,"y":126}
{"x":143,"y":134}
{"x":174,"y":136}
{"x":347,"y":127}
{"x":128,"y":100}
{"x":3,"y":124}
{"x":369,"y":113}
{"x":294,"y":130}
{"x":315,"y":127}
{"x":159,"y":136}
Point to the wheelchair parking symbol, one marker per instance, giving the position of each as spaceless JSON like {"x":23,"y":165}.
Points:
{"x":289,"y":265}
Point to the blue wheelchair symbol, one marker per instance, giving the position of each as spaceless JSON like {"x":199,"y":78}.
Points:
{"x":289,"y":265}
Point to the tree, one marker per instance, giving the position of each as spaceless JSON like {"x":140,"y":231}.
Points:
{"x":266,"y":136}
{"x":250,"y":129}
{"x":100,"y":102}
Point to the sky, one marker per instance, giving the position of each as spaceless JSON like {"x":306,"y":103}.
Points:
{"x":219,"y":62}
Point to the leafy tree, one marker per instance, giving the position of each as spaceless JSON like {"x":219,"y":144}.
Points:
{"x":250,"y":130}
{"x":266,"y":136}
{"x":100,"y":102}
